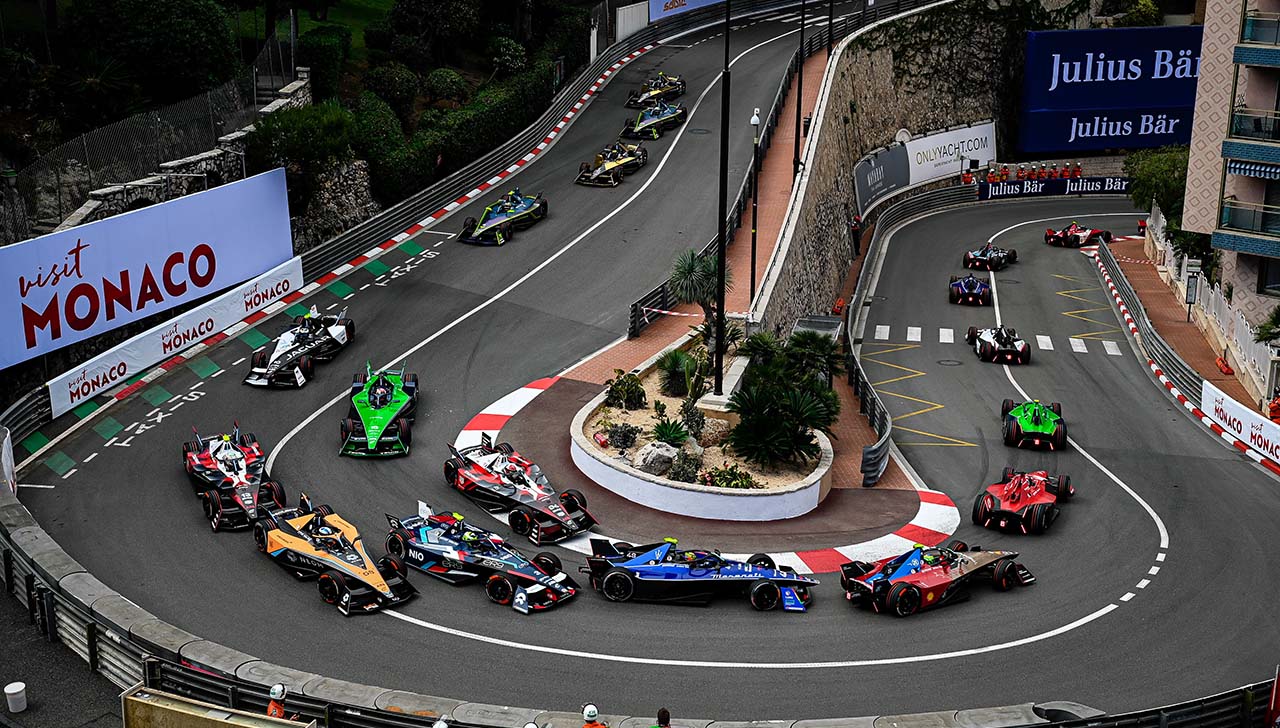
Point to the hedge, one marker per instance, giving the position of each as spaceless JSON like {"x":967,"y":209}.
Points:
{"x":324,"y":50}
{"x":398,"y":86}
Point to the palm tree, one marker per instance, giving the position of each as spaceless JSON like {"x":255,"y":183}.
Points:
{"x":693,"y":280}
{"x":814,"y":353}
{"x":1269,"y":330}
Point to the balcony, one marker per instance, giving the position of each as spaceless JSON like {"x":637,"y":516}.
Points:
{"x":1258,"y":124}
{"x":1261,"y":28}
{"x":1248,"y":227}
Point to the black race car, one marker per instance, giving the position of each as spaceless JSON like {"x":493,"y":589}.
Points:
{"x":989,"y":257}
{"x":227,"y":471}
{"x":653,"y":120}
{"x":499,"y":479}
{"x":314,"y":337}
{"x":662,"y":86}
{"x":1001,"y":345}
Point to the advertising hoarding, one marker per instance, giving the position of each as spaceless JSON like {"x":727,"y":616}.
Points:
{"x":1109,"y":88}
{"x":1047,"y":187}
{"x":880,"y":173}
{"x":940,"y":155}
{"x":111,"y":369}
{"x":659,"y":9}
{"x":1242,"y":421}
{"x":68,"y":286}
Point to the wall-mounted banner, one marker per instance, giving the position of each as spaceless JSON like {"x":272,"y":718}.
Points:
{"x":1109,"y":88}
{"x":68,"y":286}
{"x":111,"y":369}
{"x":1046,"y":187}
{"x":879,"y":174}
{"x":659,"y":9}
{"x":7,"y":471}
{"x":941,"y":154}
{"x":1242,"y":421}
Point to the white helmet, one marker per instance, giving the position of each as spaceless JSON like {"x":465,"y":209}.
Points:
{"x":590,"y":712}
{"x":278,"y":691}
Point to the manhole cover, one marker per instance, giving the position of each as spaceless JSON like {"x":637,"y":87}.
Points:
{"x":693,"y":130}
{"x":950,"y":362}
{"x":1008,"y":280}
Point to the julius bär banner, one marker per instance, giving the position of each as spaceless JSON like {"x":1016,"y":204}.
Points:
{"x":1047,"y":187}
{"x":68,"y":286}
{"x":109,"y":370}
{"x":1245,"y":424}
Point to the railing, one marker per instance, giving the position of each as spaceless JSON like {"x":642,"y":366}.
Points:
{"x":1261,"y":28}
{"x":1244,"y":707}
{"x":1255,"y":124}
{"x":1250,"y":217}
{"x":1234,"y":326}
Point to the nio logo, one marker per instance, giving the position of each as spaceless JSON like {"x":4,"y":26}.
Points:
{"x":415,"y":555}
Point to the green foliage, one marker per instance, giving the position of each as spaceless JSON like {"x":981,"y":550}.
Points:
{"x":692,"y":418}
{"x":440,"y":26}
{"x":762,"y":347}
{"x":812,"y":353}
{"x":378,"y":35}
{"x":693,"y":280}
{"x":324,"y":51}
{"x":673,"y":367}
{"x":507,"y":56}
{"x":659,"y":409}
{"x":623,"y":436}
{"x":306,"y":141}
{"x":685,"y":467}
{"x":376,"y":138}
{"x":445,"y":84}
{"x":398,"y":86}
{"x":1144,"y":13}
{"x":1159,"y":174}
{"x":670,"y":431}
{"x":625,"y":391}
{"x":728,"y":475}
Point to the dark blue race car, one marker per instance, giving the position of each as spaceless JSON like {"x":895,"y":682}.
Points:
{"x":653,"y":120}
{"x":442,"y":545}
{"x":498,"y":223}
{"x":661,"y":572}
{"x":989,"y":257}
{"x":970,"y":290}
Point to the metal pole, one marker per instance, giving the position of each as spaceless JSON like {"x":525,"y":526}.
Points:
{"x":755,"y":197}
{"x":721,"y":213}
{"x":831,"y":26}
{"x":795,"y":159}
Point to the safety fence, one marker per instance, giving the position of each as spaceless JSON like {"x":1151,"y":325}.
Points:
{"x":1243,"y":707}
{"x":1234,"y":326}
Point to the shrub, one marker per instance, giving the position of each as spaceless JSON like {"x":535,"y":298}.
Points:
{"x":623,"y":436}
{"x":812,"y":354}
{"x":378,"y":35}
{"x":398,"y":86}
{"x":670,"y":431}
{"x":685,"y":467}
{"x":728,"y":475}
{"x":306,"y":141}
{"x":508,"y":57}
{"x":1159,"y":174}
{"x":376,"y":131}
{"x":322,"y":51}
{"x":672,"y":366}
{"x":1144,"y":13}
{"x":777,"y":423}
{"x":659,"y":409}
{"x":444,"y":84}
{"x":693,"y":418}
{"x":625,"y":391}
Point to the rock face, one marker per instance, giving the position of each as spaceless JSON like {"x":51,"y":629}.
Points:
{"x":714,"y":433}
{"x":341,"y":199}
{"x":654,"y":458}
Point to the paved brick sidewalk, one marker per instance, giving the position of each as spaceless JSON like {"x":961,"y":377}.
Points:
{"x":1169,"y":316}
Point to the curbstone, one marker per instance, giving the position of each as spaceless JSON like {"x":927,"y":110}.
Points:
{"x":565,"y":719}
{"x":13,"y":515}
{"x":120,"y":614}
{"x":162,"y":639}
{"x":998,"y":716}
{"x":265,"y":673}
{"x":84,"y":590}
{"x":428,"y":706}
{"x":47,"y":557}
{"x":675,"y":723}
{"x":498,"y":716}
{"x":1056,"y":710}
{"x":752,"y":724}
{"x":940,"y":719}
{"x":866,"y":721}
{"x":216,"y":658}
{"x":342,"y":692}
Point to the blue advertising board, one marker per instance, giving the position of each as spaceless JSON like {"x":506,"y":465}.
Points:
{"x":1109,"y":88}
{"x":659,"y":9}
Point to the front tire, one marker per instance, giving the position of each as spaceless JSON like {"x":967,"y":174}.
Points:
{"x":549,"y":563}
{"x":765,"y":595}
{"x":1005,"y":576}
{"x":260,"y":531}
{"x":499,"y":589}
{"x":333,"y":587}
{"x":764,"y":561}
{"x":451,"y":468}
{"x":521,"y":520}
{"x":212,"y":503}
{"x":572,"y":498}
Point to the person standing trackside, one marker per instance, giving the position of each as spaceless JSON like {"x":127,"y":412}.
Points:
{"x":664,"y":718}
{"x":590,"y":717}
{"x":1022,"y":172}
{"x":275,"y":708}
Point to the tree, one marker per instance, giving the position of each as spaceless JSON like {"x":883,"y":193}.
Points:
{"x":398,"y":86}
{"x":306,"y":141}
{"x":693,"y":280}
{"x":508,"y":57}
{"x":1144,"y":13}
{"x":441,"y":24}
{"x":445,"y":84}
{"x":1269,"y":330}
{"x":1159,"y":174}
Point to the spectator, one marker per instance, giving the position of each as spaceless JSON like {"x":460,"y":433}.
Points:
{"x":1273,"y":409}
{"x":590,"y":716}
{"x":275,"y":708}
{"x":664,"y":718}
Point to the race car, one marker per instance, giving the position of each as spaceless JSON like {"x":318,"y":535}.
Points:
{"x":499,"y":479}
{"x":228,"y":473}
{"x":1074,"y":236}
{"x":653,"y":120}
{"x":316,"y":543}
{"x":498,"y":223}
{"x":610,"y":165}
{"x":926,"y":577}
{"x":661,"y":572}
{"x":989,"y":257}
{"x":1032,"y":424}
{"x":446,"y":547}
{"x":1000,"y":345}
{"x":1023,"y":501}
{"x":661,"y":87}
{"x":383,"y":408}
{"x":292,"y":363}
{"x":970,"y":290}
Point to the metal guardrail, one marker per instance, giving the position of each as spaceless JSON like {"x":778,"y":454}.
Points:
{"x":1149,"y":340}
{"x":1243,"y":707}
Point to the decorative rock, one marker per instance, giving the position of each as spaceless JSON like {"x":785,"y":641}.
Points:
{"x":714,"y":433}
{"x":654,"y":458}
{"x":692,"y":447}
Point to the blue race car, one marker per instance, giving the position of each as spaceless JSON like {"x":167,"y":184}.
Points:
{"x":970,"y":290}
{"x":653,"y":120}
{"x":661,"y":572}
{"x":989,"y":257}
{"x":442,"y":545}
{"x":499,"y":221}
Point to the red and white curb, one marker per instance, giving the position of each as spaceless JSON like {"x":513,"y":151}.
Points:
{"x":1090,"y":251}
{"x":935,"y":520}
{"x":1205,"y":420}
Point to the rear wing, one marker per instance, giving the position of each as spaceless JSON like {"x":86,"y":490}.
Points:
{"x":410,"y":522}
{"x":603,"y":548}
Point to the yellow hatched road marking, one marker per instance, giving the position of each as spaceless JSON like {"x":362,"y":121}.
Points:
{"x":1108,"y":328}
{"x":929,"y":406}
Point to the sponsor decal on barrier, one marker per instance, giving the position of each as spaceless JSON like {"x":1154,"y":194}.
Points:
{"x":1109,"y":87}
{"x":1241,"y":421}
{"x":939,"y":155}
{"x":879,"y":174}
{"x":659,"y":9}
{"x":68,"y":286}
{"x":113,"y":367}
{"x":1047,"y":187}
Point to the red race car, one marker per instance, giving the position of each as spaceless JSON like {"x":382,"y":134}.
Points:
{"x":229,"y":475}
{"x":926,"y":577}
{"x":1074,"y":236}
{"x":1028,"y":502}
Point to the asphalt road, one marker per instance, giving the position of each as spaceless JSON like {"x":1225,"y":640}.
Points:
{"x":479,"y":322}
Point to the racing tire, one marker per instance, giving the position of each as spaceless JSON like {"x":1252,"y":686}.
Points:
{"x":248,"y":439}
{"x":573,"y":497}
{"x":260,"y":530}
{"x":404,"y":430}
{"x":1006,"y":407}
{"x":1037,"y":518}
{"x":392,"y":565}
{"x":504,"y":448}
{"x":985,"y":298}
{"x":764,"y":561}
{"x":957,"y":545}
{"x":324,"y":509}
{"x":499,"y":589}
{"x":521,"y":521}
{"x":981,"y":509}
{"x":1056,"y":408}
{"x":1062,"y":490}
{"x":468,"y":228}
{"x":1059,"y":437}
{"x":1007,"y":474}
{"x":1106,"y":236}
{"x":258,"y":360}
{"x":968,"y":261}
{"x":643,"y":156}
{"x":350,"y":327}
{"x":274,"y":491}
{"x":307,"y":366}
{"x":764,"y":595}
{"x":618,"y":586}
{"x":298,"y":320}
{"x":359,"y":380}
{"x":507,"y":233}
{"x":1012,"y":257}
{"x":548,"y":562}
{"x":971,"y":335}
{"x":397,"y":543}
{"x":1024,"y":357}
{"x":986,"y":352}
{"x":615,"y":178}
{"x":903,"y":600}
{"x":1005,"y":576}
{"x":212,"y":503}
{"x":953,"y":296}
{"x":626,"y":549}
{"x":1012,"y":432}
{"x":451,"y":468}
{"x":332,"y":587}
{"x":584,"y":168}
{"x":544,"y":210}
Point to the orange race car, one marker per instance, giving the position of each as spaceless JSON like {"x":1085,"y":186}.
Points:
{"x":314,"y":542}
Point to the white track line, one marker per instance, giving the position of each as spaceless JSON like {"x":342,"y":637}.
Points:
{"x":913,"y":333}
{"x":1113,"y":349}
{"x":946,"y":336}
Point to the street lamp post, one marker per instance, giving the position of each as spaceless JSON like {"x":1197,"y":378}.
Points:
{"x":795,"y":158}
{"x":721,"y":214}
{"x":755,"y":195}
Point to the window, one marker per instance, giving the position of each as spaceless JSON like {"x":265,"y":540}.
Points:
{"x":1269,"y":276}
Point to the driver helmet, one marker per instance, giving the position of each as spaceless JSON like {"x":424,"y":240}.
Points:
{"x":590,"y":712}
{"x":278,"y":691}
{"x":929,"y":557}
{"x":470,"y":536}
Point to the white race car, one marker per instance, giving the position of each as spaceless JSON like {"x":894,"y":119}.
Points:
{"x":1001,"y":345}
{"x":314,"y":337}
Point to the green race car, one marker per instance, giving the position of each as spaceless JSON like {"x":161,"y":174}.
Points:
{"x":383,"y":405}
{"x":1032,"y":424}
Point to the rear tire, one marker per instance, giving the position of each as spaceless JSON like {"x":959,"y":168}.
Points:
{"x":1056,"y":408}
{"x":971,"y":335}
{"x":617,"y":586}
{"x":1062,"y":490}
{"x":1059,"y":436}
{"x":903,"y":600}
{"x":404,"y":430}
{"x":764,"y":561}
{"x":981,"y":509}
{"x":1037,"y":518}
{"x":1006,"y":407}
{"x":953,"y":296}
{"x":1007,"y":474}
{"x":1013,"y":256}
{"x":549,"y":563}
{"x":350,"y":327}
{"x":986,"y":352}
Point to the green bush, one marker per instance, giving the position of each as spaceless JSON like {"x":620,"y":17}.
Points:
{"x":670,"y":431}
{"x":673,"y":366}
{"x":341,"y":33}
{"x":398,"y":86}
{"x":378,"y":35}
{"x":623,"y":436}
{"x":507,"y":56}
{"x":1144,"y":13}
{"x":412,"y":52}
{"x":694,"y":420}
{"x":685,"y":467}
{"x":322,"y":51}
{"x":728,"y":475}
{"x":625,"y":391}
{"x":375,"y":133}
{"x":306,"y":141}
{"x":1159,"y":174}
{"x":444,"y":84}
